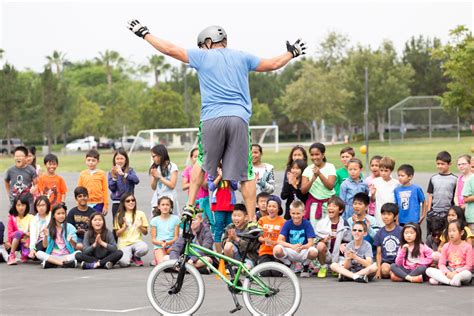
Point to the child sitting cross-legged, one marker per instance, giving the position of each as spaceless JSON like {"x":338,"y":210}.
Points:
{"x":100,"y":249}
{"x":202,"y":237}
{"x":295,"y":243}
{"x":333,"y":233}
{"x":359,"y":264}
{"x":455,"y":263}
{"x":413,"y":256}
{"x":234,"y":246}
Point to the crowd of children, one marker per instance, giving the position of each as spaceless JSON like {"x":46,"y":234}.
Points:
{"x":334,"y":221}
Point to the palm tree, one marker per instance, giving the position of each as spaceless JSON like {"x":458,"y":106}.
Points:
{"x":57,"y":59}
{"x":158,"y":66}
{"x":110,"y":59}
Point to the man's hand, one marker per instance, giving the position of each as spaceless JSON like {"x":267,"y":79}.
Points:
{"x":298,"y":48}
{"x":137,"y":28}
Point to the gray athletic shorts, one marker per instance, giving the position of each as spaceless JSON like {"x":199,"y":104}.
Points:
{"x":228,"y":139}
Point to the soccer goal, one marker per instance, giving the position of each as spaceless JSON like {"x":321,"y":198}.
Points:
{"x":186,"y":138}
{"x":421,"y":117}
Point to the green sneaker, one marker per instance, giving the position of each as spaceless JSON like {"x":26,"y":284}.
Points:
{"x":322,"y":272}
{"x":252,"y":224}
{"x":189,"y":210}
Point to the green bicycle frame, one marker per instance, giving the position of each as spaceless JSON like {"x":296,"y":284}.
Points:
{"x":192,"y":250}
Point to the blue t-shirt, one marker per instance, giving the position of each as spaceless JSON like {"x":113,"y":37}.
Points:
{"x":389,"y":241}
{"x":164,"y":228}
{"x":297,"y":234}
{"x":223,"y":80}
{"x":408,"y":199}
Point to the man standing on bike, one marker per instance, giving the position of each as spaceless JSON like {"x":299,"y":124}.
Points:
{"x":224,"y":132}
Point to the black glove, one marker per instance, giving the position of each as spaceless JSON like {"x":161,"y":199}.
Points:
{"x":137,"y":28}
{"x":298,"y":48}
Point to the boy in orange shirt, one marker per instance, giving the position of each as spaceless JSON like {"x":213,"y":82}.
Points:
{"x":51,"y":184}
{"x":271,"y":225}
{"x":95,"y":181}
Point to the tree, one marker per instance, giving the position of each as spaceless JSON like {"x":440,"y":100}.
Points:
{"x":389,"y":82}
{"x":110,"y":59}
{"x":87,"y":119}
{"x":157,"y":66}
{"x":50,"y":87}
{"x":164,"y":110}
{"x":459,"y":68}
{"x":11,"y":100}
{"x":261,"y":114}
{"x":428,"y":78}
{"x":57,"y":59}
{"x":317,"y":95}
{"x":2,"y":51}
{"x":333,"y":50}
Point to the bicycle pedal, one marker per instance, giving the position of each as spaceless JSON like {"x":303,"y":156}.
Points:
{"x":236,"y":309}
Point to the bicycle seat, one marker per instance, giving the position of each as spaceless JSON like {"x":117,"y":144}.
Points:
{"x":251,"y":234}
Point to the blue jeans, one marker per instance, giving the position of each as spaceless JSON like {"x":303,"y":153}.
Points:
{"x":221,"y":220}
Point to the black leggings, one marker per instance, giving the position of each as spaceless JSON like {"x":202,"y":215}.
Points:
{"x":403,"y":272}
{"x":113,"y":257}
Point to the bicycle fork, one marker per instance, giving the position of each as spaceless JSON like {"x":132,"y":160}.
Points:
{"x":238,"y":307}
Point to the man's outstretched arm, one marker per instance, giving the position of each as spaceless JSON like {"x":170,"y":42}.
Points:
{"x":161,"y":45}
{"x":295,"y":50}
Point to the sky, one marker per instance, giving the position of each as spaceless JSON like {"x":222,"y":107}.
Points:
{"x":31,"y":30}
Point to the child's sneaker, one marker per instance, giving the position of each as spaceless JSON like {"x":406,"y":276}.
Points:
{"x":88,"y":265}
{"x":3,"y":253}
{"x":24,"y":259}
{"x":315,"y":265}
{"x":70,"y":264}
{"x":108,"y":265}
{"x":297,"y":267}
{"x":417,"y":279}
{"x":322,"y":272}
{"x":395,"y":278}
{"x":11,"y":259}
{"x":47,"y":265}
{"x":153,"y":263}
{"x":342,"y":278}
{"x":137,"y":261}
{"x":362,"y":279}
{"x":433,"y":281}
{"x":305,"y":272}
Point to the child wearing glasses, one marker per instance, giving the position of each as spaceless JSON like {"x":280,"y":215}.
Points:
{"x":130,"y":225}
{"x":359,"y":265}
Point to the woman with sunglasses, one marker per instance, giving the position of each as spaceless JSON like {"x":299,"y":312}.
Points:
{"x":130,"y":225}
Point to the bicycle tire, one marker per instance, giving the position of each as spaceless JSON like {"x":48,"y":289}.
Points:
{"x":187,"y":301}
{"x":273,"y":305}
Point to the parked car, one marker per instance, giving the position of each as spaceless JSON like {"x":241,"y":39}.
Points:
{"x":14,"y":142}
{"x":82,"y":144}
{"x":105,"y":143}
{"x":126,"y":143}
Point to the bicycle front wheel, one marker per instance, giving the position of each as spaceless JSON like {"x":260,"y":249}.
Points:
{"x":160,"y":282}
{"x":286,"y":290}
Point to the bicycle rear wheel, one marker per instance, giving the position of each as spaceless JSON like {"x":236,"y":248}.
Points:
{"x":287,"y":296}
{"x":160,"y":281}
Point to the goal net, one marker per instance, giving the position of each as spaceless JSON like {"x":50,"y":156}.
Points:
{"x":421,"y":117}
{"x":186,"y":138}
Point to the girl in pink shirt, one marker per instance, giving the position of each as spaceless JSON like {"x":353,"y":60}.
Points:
{"x":413,"y":256}
{"x":455,"y":264}
{"x":464,"y":167}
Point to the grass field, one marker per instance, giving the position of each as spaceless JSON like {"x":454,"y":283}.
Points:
{"x":419,"y":153}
